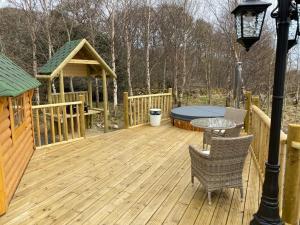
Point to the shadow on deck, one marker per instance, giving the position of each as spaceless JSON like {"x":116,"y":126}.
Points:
{"x":135,"y":176}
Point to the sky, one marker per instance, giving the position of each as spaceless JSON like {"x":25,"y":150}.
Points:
{"x":3,"y":3}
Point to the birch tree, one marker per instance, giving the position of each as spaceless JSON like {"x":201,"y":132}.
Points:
{"x":29,"y":7}
{"x":147,"y":45}
{"x":128,"y":44}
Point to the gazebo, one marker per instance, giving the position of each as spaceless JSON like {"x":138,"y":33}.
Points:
{"x":77,"y":59}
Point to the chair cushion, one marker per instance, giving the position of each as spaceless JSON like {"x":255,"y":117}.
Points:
{"x":204,"y":152}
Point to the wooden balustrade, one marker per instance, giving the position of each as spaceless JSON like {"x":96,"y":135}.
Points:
{"x":259,"y":126}
{"x":58,"y":123}
{"x":69,"y":97}
{"x":291,"y":200}
{"x":136,"y":108}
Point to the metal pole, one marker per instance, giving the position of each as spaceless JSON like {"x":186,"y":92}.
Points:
{"x":268,"y":212}
{"x":238,"y":80}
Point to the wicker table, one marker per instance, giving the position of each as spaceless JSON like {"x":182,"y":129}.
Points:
{"x":213,"y":123}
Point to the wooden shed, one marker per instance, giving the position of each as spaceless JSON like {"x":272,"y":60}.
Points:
{"x":16,"y":128}
{"x":77,"y":59}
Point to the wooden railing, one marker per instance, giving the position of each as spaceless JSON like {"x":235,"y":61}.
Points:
{"x":58,"y":123}
{"x":136,"y":108}
{"x":260,"y":127}
{"x":69,"y":97}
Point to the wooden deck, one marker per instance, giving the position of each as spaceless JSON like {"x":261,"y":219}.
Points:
{"x":135,"y":176}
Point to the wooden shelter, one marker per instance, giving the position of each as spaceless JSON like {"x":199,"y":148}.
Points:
{"x":16,"y":128}
{"x":77,"y":59}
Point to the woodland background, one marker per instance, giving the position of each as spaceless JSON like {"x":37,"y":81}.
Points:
{"x":188,"y":45}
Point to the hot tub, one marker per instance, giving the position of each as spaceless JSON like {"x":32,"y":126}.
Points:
{"x":182,"y":116}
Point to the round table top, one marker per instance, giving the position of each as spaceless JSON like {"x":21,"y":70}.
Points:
{"x":213,"y":123}
{"x":193,"y":112}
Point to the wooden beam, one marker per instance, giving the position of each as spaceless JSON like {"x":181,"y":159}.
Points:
{"x":105,"y":101}
{"x":82,"y":123}
{"x":84,"y":61}
{"x":61,"y":87}
{"x":43,"y":77}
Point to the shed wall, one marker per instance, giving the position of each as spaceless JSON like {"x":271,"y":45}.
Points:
{"x":15,"y":150}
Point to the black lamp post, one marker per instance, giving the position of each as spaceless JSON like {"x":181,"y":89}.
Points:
{"x":268,"y":212}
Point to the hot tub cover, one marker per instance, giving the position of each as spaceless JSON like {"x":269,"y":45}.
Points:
{"x":193,"y":112}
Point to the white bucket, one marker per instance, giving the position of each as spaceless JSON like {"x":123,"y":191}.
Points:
{"x":155,"y":117}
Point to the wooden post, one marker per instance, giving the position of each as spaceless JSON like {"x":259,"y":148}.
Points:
{"x":171,"y":98}
{"x":255,"y":101}
{"x":291,"y":199}
{"x":105,"y":101}
{"x":126,"y":115}
{"x":90,"y":92}
{"x":49,"y":91}
{"x":82,"y":122}
{"x":61,"y":87}
{"x":248,"y":108}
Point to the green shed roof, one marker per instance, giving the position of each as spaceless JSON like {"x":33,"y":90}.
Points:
{"x":59,"y":57}
{"x":13,"y":79}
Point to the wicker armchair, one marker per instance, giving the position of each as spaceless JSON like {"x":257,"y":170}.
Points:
{"x":236,"y":115}
{"x":222,"y":166}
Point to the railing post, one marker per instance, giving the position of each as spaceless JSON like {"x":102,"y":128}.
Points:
{"x":248,"y":108}
{"x":49,"y":91}
{"x":105,"y":101}
{"x":256,"y":101}
{"x":171,"y":98}
{"x":291,"y":198}
{"x":82,"y":122}
{"x":125,"y":104}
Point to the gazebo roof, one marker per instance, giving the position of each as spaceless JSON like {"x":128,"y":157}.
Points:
{"x":59,"y":57}
{"x":13,"y":79}
{"x":67,"y":53}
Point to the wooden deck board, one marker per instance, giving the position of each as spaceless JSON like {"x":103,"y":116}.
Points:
{"x":136,"y":176}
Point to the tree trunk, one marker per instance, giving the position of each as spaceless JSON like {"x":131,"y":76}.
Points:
{"x":53,"y":87}
{"x":71,"y":84}
{"x":165,"y":74}
{"x":184,"y":73}
{"x":175,"y":78}
{"x":128,"y":55}
{"x":182,"y":89}
{"x":148,"y":50}
{"x":34,"y":61}
{"x":113,"y":59}
{"x":207,"y":77}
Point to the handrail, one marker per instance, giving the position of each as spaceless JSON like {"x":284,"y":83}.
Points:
{"x":296,"y":145}
{"x":259,"y":126}
{"x":267,"y":121}
{"x":56,"y":105}
{"x":151,"y":95}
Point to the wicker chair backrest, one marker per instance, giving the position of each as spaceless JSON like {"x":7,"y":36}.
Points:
{"x":236,"y":115}
{"x":230,"y":148}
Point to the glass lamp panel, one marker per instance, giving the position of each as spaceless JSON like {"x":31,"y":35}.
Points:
{"x":252,"y":24}
{"x":238,"y":24}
